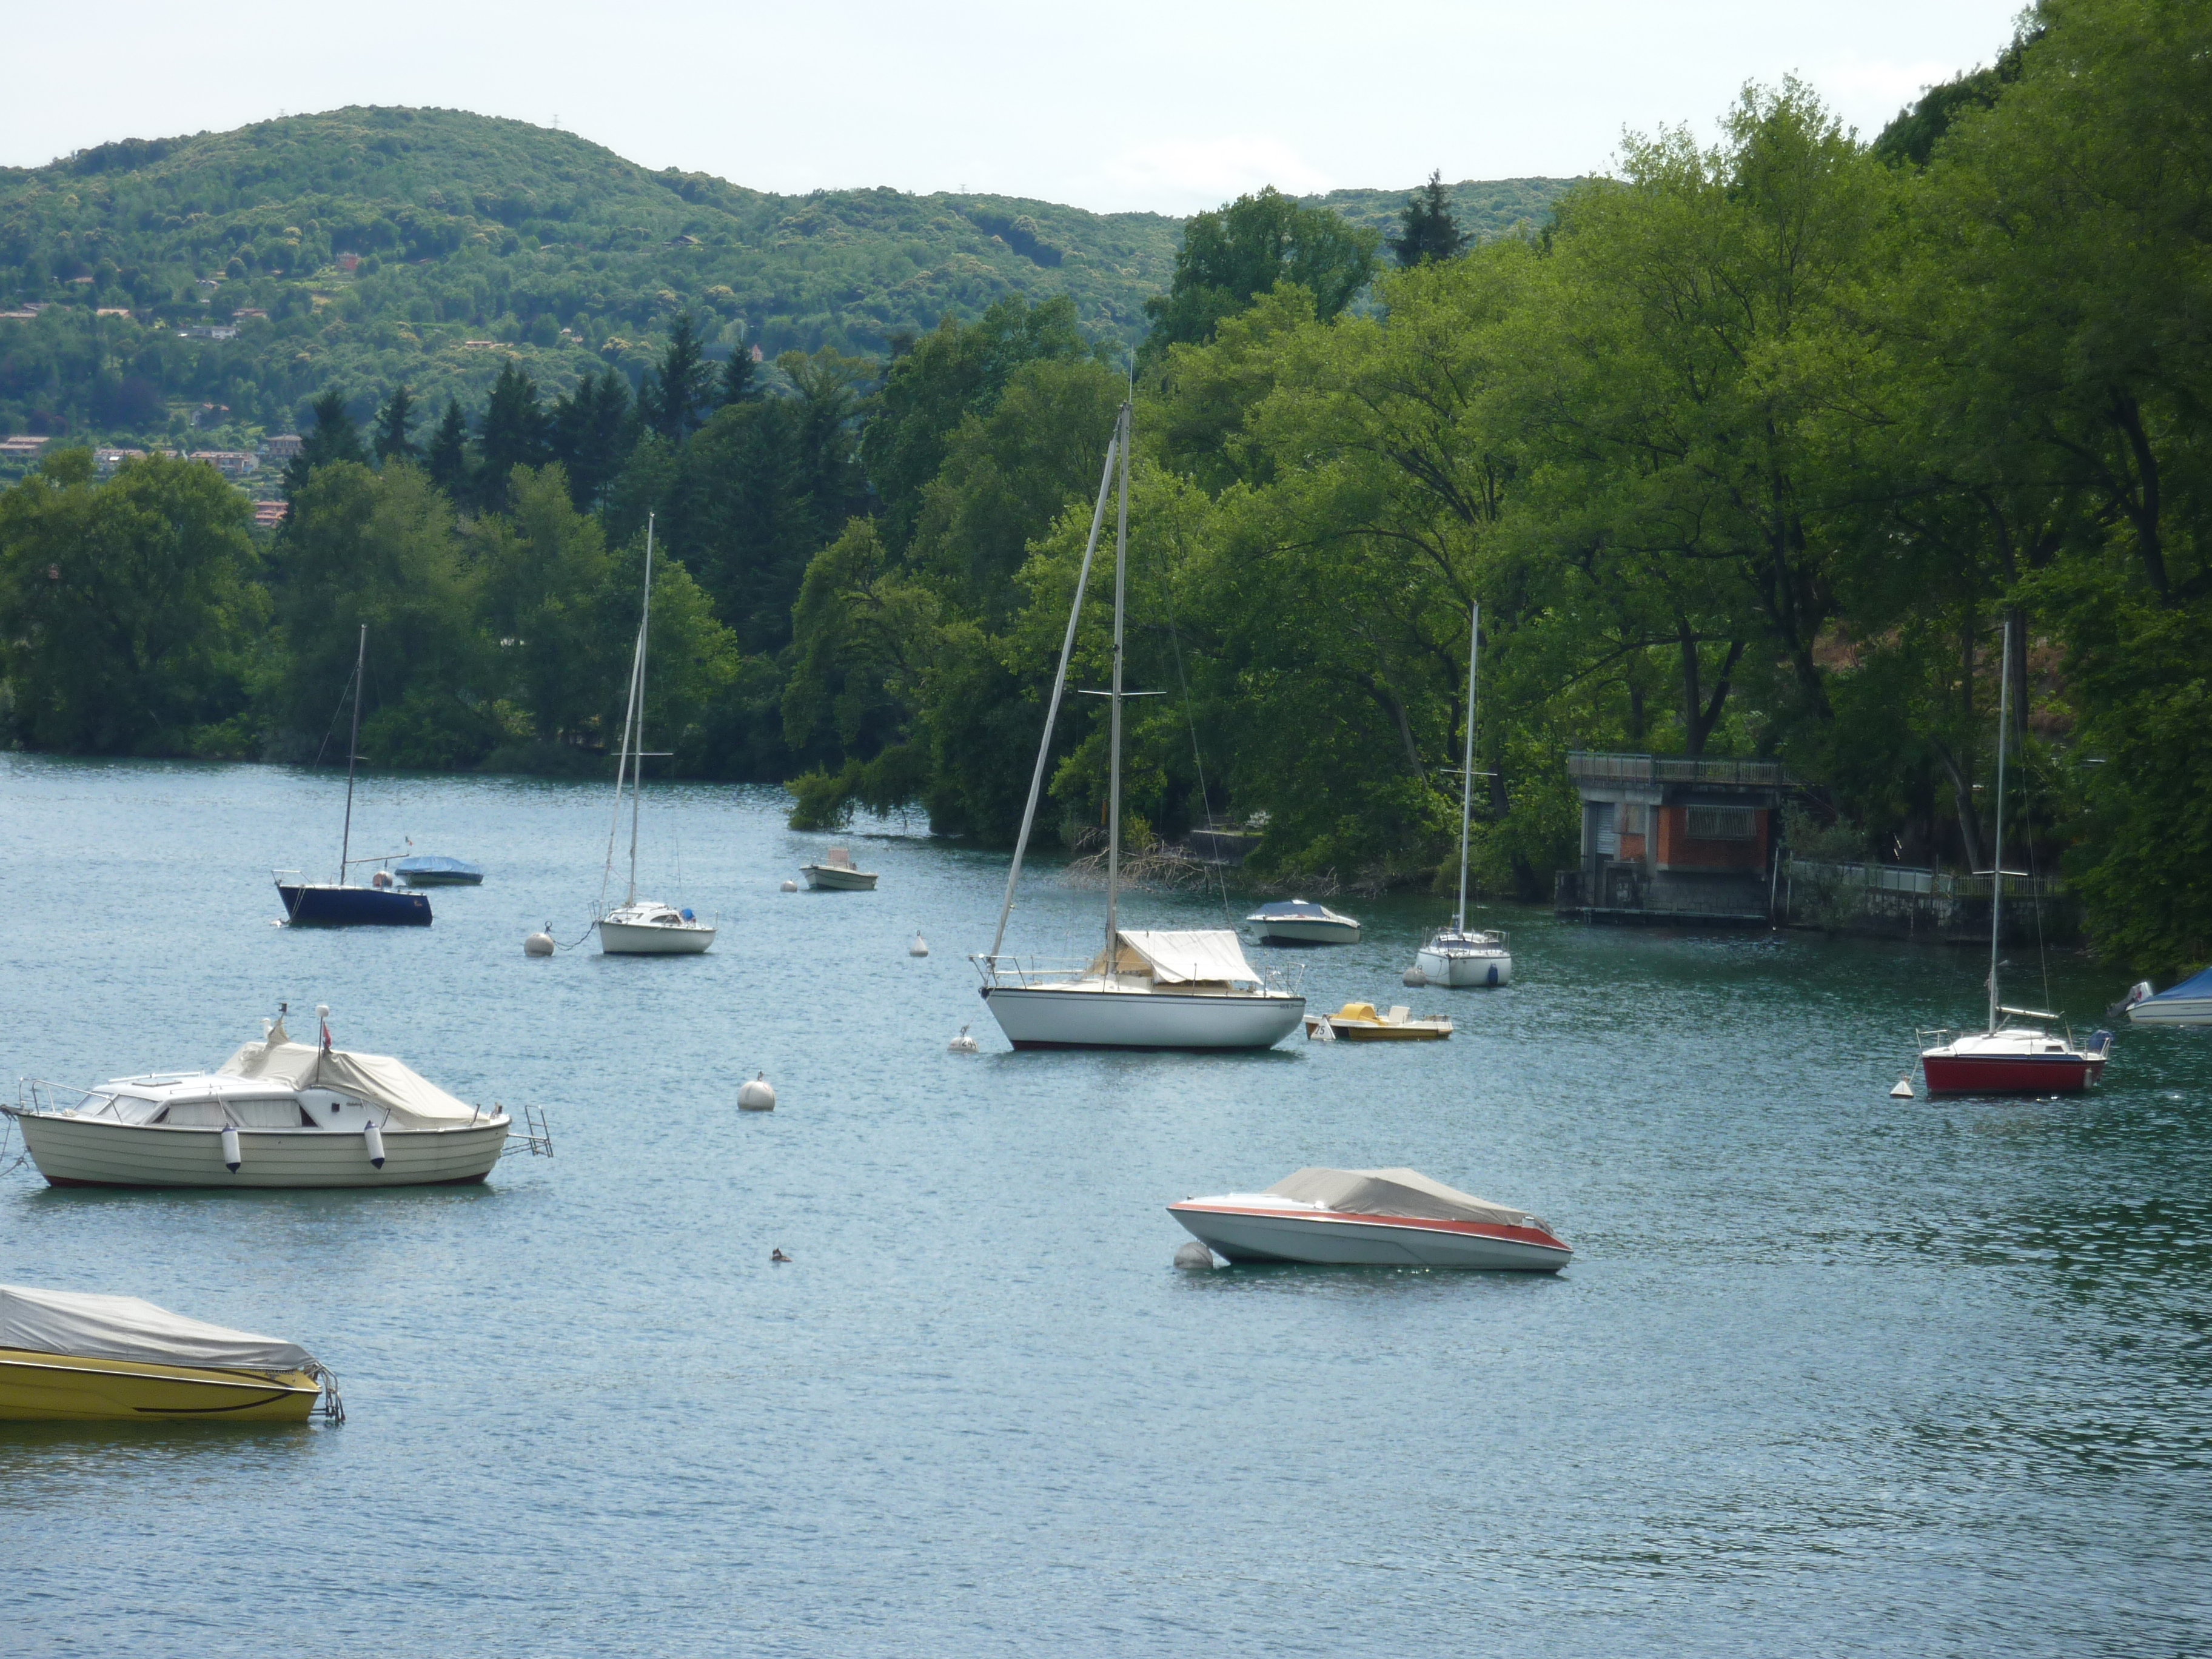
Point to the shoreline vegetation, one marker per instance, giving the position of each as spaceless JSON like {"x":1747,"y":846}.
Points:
{"x":1749,"y":449}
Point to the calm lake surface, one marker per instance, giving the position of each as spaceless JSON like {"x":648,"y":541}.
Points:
{"x":1831,"y":1372}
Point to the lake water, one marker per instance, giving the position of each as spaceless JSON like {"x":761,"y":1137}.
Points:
{"x":1831,"y":1372}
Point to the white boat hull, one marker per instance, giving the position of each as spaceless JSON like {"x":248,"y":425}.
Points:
{"x":631,"y":938}
{"x":2192,"y":1011}
{"x":829,"y":879}
{"x":1314,"y":932}
{"x":1371,"y":1242}
{"x":1041,"y":1017}
{"x":1458,"y":970}
{"x":73,"y":1151}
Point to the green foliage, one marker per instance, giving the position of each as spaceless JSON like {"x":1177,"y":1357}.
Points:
{"x":1232,"y":255}
{"x":1426,"y":229}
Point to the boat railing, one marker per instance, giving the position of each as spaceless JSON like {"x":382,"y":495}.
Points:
{"x":37,"y":1097}
{"x":1029,"y":970}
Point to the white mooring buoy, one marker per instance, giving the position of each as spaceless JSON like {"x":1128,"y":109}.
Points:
{"x":1904,"y":1088}
{"x":918,"y":948}
{"x":1414,"y":977}
{"x":964,"y":1044}
{"x":1195,"y":1257}
{"x":756,"y":1096}
{"x":790,"y":887}
{"x":539,"y":944}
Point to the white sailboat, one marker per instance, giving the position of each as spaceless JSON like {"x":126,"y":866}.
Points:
{"x":636,"y":926}
{"x":1183,"y":990}
{"x":1454,"y":957}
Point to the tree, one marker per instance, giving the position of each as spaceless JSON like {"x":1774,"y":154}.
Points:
{"x":1427,"y":231}
{"x":592,"y":432}
{"x":740,"y":377}
{"x":392,"y":443}
{"x":336,"y":437}
{"x":513,"y":433}
{"x":1231,"y":255}
{"x":546,"y":594}
{"x":447,"y":457}
{"x":676,"y":394}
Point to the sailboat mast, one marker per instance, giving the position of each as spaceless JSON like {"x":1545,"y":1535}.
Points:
{"x":353,"y":749}
{"x":1997,"y":872}
{"x":1114,"y":789}
{"x":1466,"y":776}
{"x":637,"y":773}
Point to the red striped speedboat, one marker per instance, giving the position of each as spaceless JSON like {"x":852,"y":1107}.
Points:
{"x":1372,"y":1218}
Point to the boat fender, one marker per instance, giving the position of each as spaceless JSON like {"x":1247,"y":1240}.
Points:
{"x":758,"y":1096}
{"x":1414,"y":977}
{"x":374,"y":1137}
{"x":231,"y":1156}
{"x":1492,"y":980}
{"x":918,"y":948}
{"x":686,"y":914}
{"x":1195,"y":1257}
{"x":1904,"y":1088}
{"x":791,"y":887}
{"x":539,"y":944}
{"x":381,"y":880}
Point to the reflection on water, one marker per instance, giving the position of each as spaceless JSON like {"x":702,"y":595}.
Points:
{"x":1830,"y":1372}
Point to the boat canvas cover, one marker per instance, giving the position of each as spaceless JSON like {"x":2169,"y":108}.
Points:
{"x":413,"y":1102}
{"x":1393,"y":1192}
{"x":433,"y":864}
{"x":1207,"y":956}
{"x":89,"y":1327}
{"x":2198,"y":989}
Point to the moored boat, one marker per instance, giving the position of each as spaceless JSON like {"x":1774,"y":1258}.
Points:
{"x":278,"y":1113}
{"x":73,"y":1357}
{"x":1361,"y":1022}
{"x":837,"y":873}
{"x":1299,"y":921}
{"x":1454,"y":957}
{"x":2188,"y":1003}
{"x":432,"y":870}
{"x":1371,"y":1218}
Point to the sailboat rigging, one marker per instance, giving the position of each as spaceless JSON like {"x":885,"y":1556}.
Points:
{"x":336,"y":903}
{"x":1453,"y":956}
{"x":641,"y":927}
{"x":1182,"y":989}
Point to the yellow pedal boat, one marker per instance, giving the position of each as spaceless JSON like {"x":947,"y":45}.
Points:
{"x":66,"y":1356}
{"x":1358,"y":1022}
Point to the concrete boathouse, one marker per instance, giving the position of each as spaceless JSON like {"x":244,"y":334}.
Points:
{"x":1674,"y":839}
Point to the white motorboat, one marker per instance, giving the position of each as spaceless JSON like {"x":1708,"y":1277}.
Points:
{"x":277,"y":1114}
{"x":641,"y":928}
{"x":2188,"y":1003}
{"x":1372,"y":1218}
{"x":1189,"y":989}
{"x":836,"y":874}
{"x":1457,"y":957}
{"x":1296,"y":921}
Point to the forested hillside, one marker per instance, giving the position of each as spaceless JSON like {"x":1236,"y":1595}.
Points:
{"x":472,"y":240}
{"x":1750,"y":450}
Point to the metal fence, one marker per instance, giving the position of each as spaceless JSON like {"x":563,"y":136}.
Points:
{"x":1673,"y":769}
{"x":1906,"y":879}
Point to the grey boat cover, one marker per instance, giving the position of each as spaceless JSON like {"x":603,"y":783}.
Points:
{"x":1201,"y":957}
{"x":1393,"y":1192}
{"x":89,"y":1327}
{"x":414,"y":1102}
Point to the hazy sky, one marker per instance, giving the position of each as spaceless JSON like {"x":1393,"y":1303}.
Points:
{"x":1149,"y":103}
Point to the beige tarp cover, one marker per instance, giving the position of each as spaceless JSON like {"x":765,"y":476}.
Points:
{"x":1210,"y":957}
{"x":124,"y":1328}
{"x":1393,"y":1192}
{"x":413,"y":1102}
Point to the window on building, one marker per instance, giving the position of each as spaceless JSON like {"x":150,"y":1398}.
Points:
{"x":1724,"y":824}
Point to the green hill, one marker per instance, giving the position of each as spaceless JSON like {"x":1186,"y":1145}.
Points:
{"x":367,"y":248}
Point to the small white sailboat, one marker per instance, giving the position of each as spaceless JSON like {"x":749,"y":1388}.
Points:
{"x":1184,"y":989}
{"x":641,"y":928}
{"x":1455,"y":956}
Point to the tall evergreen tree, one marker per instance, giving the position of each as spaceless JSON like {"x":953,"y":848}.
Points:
{"x":336,"y":437}
{"x":677,"y":396}
{"x":1427,"y":232}
{"x":740,"y":378}
{"x":447,"y":456}
{"x":392,"y":443}
{"x":591,"y":432}
{"x":514,"y":434}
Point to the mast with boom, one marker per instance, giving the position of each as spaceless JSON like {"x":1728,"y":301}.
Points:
{"x":353,"y":754}
{"x":1467,"y":778}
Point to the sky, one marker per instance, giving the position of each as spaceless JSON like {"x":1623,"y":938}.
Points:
{"x":1146,"y":104}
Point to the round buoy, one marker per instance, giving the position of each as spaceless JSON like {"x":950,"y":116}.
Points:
{"x":1904,"y":1088}
{"x":918,"y":948}
{"x":756,"y":1096}
{"x":791,"y":887}
{"x":1195,"y":1256}
{"x":964,"y":1044}
{"x":539,"y":944}
{"x":1414,"y":977}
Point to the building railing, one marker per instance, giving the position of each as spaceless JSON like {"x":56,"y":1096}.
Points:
{"x":1909,"y":879}
{"x":1673,"y":769}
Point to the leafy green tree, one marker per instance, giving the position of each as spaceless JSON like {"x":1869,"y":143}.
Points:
{"x":1231,"y":255}
{"x":546,"y":593}
{"x":446,"y":458}
{"x":127,"y":609}
{"x":392,"y":443}
{"x":1427,"y":231}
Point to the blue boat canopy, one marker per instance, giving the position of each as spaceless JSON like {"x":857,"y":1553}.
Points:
{"x":433,"y":865}
{"x":1289,"y":909}
{"x":2189,"y":990}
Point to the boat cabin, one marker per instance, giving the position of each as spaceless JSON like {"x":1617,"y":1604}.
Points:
{"x":1673,"y":839}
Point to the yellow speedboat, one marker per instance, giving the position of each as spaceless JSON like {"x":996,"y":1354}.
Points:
{"x":77,"y":1358}
{"x":1358,"y":1022}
